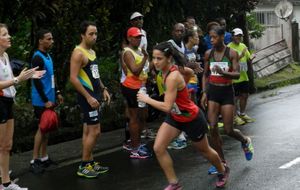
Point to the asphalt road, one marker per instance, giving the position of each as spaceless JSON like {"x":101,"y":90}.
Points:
{"x":276,"y":139}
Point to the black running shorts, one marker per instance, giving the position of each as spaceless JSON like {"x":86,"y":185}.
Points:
{"x":222,"y":95}
{"x":38,"y":111}
{"x":130,"y":96}
{"x":6,"y":111}
{"x":90,"y":116}
{"x":195,"y":129}
{"x":241,"y":88}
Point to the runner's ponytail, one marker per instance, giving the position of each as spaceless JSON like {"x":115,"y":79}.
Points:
{"x":168,"y":50}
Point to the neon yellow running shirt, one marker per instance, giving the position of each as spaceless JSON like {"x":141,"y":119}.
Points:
{"x":243,"y":61}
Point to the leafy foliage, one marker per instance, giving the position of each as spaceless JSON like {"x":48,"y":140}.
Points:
{"x":63,"y":17}
{"x":256,"y":30}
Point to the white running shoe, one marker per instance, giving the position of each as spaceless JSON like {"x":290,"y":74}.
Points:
{"x":14,"y":186}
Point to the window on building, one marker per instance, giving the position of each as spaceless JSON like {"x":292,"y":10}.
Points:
{"x":267,"y":18}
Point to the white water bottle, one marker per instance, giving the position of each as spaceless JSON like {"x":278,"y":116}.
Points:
{"x":143,"y":90}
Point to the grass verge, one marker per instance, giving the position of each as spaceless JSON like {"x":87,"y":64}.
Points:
{"x":287,"y":76}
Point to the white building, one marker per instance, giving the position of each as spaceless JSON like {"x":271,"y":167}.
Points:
{"x":276,"y":28}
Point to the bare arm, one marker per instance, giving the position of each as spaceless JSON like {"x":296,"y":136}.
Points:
{"x":130,"y":63}
{"x":106,"y":95}
{"x":205,"y":71}
{"x":235,"y":74}
{"x":174,"y":80}
{"x":187,"y":73}
{"x":24,"y":75}
{"x":77,"y":61}
{"x":205,"y":80}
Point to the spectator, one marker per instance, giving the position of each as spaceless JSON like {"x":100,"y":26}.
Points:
{"x":7,"y":96}
{"x":223,"y":24}
{"x":43,"y":97}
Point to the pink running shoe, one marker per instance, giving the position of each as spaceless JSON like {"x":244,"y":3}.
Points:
{"x":173,"y":186}
{"x":223,"y":178}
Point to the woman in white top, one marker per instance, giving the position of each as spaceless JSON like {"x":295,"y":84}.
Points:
{"x":7,"y":95}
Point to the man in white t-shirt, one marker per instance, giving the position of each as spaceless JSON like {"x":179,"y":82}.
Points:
{"x":137,"y":20}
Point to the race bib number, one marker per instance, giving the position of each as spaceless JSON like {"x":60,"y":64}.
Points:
{"x":175,"y":109}
{"x":95,"y":71}
{"x":223,"y":65}
{"x":243,"y":66}
{"x":93,"y":113}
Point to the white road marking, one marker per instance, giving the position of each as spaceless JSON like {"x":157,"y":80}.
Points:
{"x":290,"y":164}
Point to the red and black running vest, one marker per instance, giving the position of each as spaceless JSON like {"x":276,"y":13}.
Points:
{"x":184,"y":109}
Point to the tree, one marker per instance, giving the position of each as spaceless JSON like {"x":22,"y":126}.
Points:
{"x":63,"y":17}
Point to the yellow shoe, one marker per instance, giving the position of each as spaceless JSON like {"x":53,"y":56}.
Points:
{"x":246,"y":118}
{"x":220,"y":125}
{"x":238,"y":121}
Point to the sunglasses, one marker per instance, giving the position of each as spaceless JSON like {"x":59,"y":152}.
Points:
{"x":138,"y":18}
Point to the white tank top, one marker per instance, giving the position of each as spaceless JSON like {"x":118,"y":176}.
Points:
{"x":6,"y":74}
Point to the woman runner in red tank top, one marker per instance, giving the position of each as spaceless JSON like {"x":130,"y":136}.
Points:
{"x":182,"y":115}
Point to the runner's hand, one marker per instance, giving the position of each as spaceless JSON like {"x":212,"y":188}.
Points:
{"x":142,"y":97}
{"x":199,"y":69}
{"x":60,"y":99}
{"x":26,"y":74}
{"x":218,"y":69}
{"x":106,"y":96}
{"x":93,"y":102}
{"x":49,"y":104}
{"x":144,"y":52}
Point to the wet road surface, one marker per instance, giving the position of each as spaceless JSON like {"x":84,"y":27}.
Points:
{"x":275,"y":136}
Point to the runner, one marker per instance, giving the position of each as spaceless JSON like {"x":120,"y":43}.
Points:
{"x":7,"y":96}
{"x":134,"y":59}
{"x":183,"y":115}
{"x":178,"y":33}
{"x":241,"y":86}
{"x":220,"y":68}
{"x":84,"y":75}
{"x":191,"y":40}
